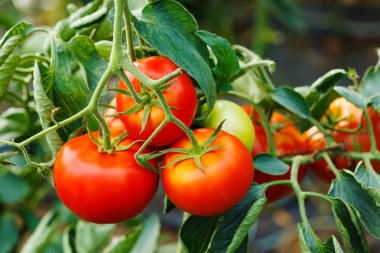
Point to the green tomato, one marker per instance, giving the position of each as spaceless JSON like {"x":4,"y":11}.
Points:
{"x":237,"y":121}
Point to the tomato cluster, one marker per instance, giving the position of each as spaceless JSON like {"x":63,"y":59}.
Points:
{"x":206,"y":180}
{"x":109,"y":188}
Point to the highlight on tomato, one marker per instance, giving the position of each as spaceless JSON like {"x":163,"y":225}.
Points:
{"x":180,"y":95}
{"x":237,"y":122}
{"x":287,"y":139}
{"x":99,"y":187}
{"x":226,"y":178}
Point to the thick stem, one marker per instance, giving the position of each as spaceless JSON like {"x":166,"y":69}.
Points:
{"x":129,"y":32}
{"x":116,"y":57}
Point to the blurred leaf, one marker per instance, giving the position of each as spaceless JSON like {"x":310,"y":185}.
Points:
{"x":14,"y":123}
{"x":226,"y":233}
{"x":329,"y":80}
{"x":125,"y":243}
{"x":13,"y":189}
{"x":63,"y":27}
{"x":44,"y":109}
{"x":291,"y":100}
{"x":104,"y":48}
{"x":370,"y":88}
{"x":349,"y":227}
{"x":251,"y":86}
{"x":270,"y":165}
{"x":147,"y":241}
{"x":7,"y":70}
{"x":91,"y":237}
{"x":346,"y":187}
{"x":9,"y":234}
{"x":286,"y":11}
{"x":170,"y":28}
{"x":68,"y":240}
{"x":227,"y":63}
{"x":37,"y":242}
{"x":90,"y":18}
{"x":356,"y":98}
{"x":309,"y":242}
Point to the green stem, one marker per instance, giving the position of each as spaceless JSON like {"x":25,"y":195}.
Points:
{"x":116,"y":57}
{"x":277,"y":182}
{"x":317,"y":195}
{"x":129,"y":85}
{"x":371,"y":132}
{"x":129,"y":33}
{"x":268,"y":132}
{"x":330,"y":164}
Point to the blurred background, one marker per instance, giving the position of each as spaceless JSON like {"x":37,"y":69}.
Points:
{"x":305,"y":39}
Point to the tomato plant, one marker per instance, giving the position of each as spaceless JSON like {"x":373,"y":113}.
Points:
{"x":180,"y":96}
{"x":223,"y":181}
{"x":170,"y":78}
{"x":236,"y":121}
{"x":102,"y":188}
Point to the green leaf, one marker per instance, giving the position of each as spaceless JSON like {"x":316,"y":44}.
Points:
{"x":291,"y":100}
{"x":7,"y":70}
{"x":84,"y":51}
{"x":310,"y":243}
{"x":91,"y":237}
{"x":63,"y":27}
{"x":270,"y":165}
{"x":125,"y":243}
{"x":226,"y":233}
{"x":196,"y":233}
{"x":356,"y":98}
{"x":90,"y":18}
{"x":346,"y":187}
{"x":39,"y":240}
{"x":169,"y":27}
{"x":370,"y":179}
{"x":13,"y":189}
{"x":149,"y":233}
{"x":14,"y":123}
{"x":9,"y":234}
{"x":44,"y":109}
{"x":233,"y":227}
{"x":68,"y":240}
{"x":349,"y":227}
{"x":329,"y":80}
{"x":227,"y":63}
{"x":369,"y":86}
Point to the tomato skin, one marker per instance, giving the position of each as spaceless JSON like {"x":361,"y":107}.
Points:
{"x":113,"y":122}
{"x":237,"y":122}
{"x":181,"y":96}
{"x":102,"y":188}
{"x":225,"y":181}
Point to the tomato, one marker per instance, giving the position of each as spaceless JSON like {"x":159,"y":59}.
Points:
{"x":237,"y":121}
{"x":341,"y":115}
{"x":225,"y":180}
{"x":181,"y":96}
{"x":99,"y":187}
{"x":113,"y":120}
{"x":363,"y":138}
{"x":287,"y":140}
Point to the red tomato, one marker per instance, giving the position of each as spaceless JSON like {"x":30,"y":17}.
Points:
{"x":113,"y":121}
{"x":342,"y":115}
{"x":287,"y":140}
{"x":226,"y":179}
{"x":181,"y":96}
{"x":99,"y":187}
{"x":363,"y":139}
